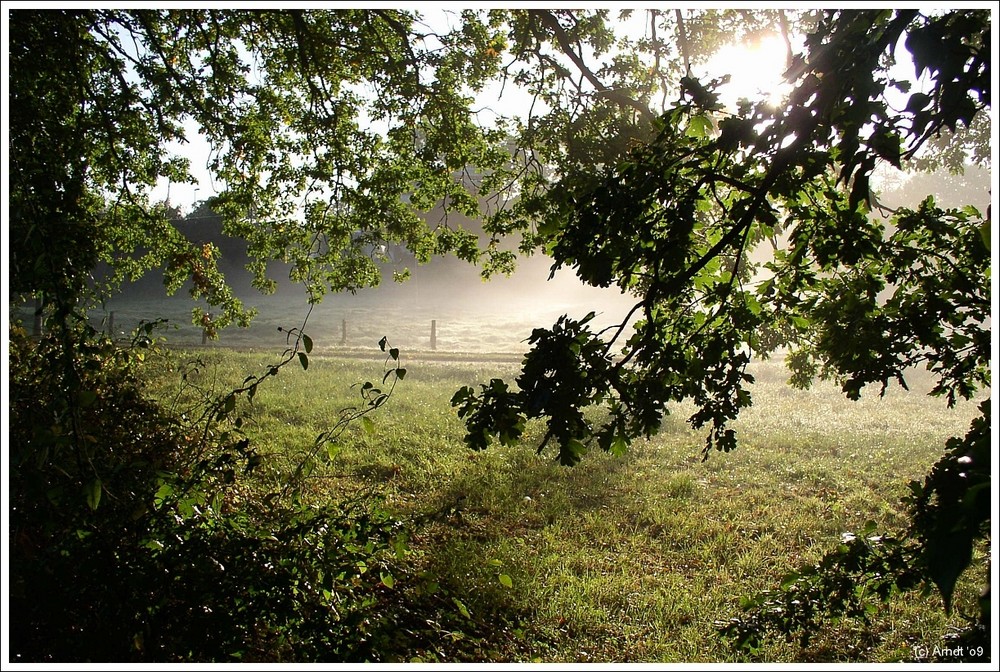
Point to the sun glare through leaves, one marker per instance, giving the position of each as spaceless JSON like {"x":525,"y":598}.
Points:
{"x":755,"y":69}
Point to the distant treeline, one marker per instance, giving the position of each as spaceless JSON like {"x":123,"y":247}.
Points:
{"x":445,"y":274}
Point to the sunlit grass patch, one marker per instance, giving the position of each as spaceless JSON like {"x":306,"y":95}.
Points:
{"x":618,"y":559}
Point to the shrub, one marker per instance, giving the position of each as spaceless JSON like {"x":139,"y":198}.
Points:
{"x":122,"y":545}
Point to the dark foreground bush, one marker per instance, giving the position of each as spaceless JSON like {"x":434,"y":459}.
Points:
{"x":123,"y":547}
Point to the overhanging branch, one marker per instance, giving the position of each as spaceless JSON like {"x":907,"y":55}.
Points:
{"x":546,"y":18}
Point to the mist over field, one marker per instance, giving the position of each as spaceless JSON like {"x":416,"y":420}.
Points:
{"x":471,"y":315}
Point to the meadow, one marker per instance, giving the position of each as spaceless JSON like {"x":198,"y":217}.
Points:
{"x":631,"y":559}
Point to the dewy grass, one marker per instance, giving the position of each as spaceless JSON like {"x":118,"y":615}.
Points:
{"x":618,"y":559}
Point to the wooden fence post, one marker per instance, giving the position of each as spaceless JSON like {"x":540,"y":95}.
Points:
{"x":39,"y":305}
{"x":343,"y":332}
{"x":434,"y":336}
{"x":111,"y":324}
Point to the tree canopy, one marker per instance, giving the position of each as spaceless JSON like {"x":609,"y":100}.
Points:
{"x":674,"y":220}
{"x":317,"y":122}
{"x":331,"y":131}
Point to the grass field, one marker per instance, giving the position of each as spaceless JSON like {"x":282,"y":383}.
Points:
{"x":618,"y":559}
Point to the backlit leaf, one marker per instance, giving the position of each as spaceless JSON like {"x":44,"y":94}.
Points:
{"x":368,"y":424}
{"x":92,"y":492}
{"x":462,"y":609}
